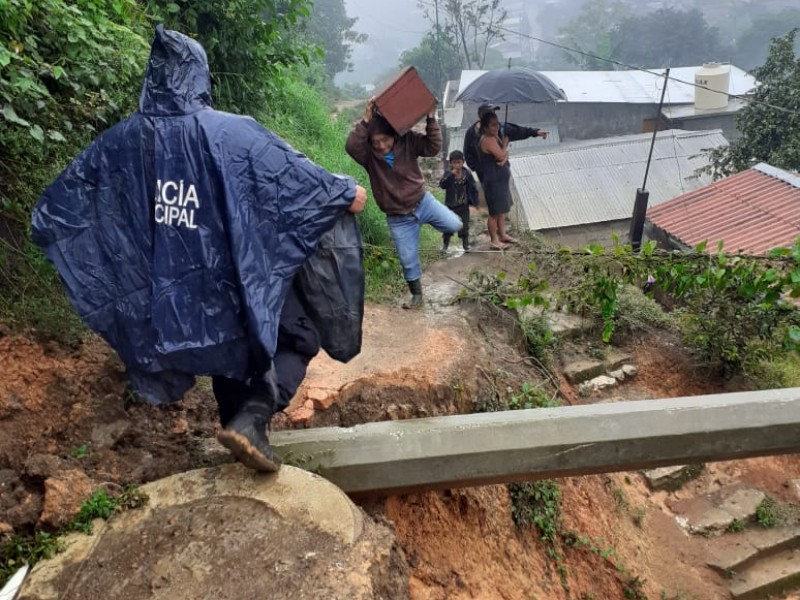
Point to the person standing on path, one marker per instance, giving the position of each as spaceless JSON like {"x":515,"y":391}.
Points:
{"x":181,"y":235}
{"x":460,"y":193}
{"x":398,"y":186}
{"x":493,"y":159}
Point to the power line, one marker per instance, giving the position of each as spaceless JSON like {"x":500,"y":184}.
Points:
{"x":654,"y":73}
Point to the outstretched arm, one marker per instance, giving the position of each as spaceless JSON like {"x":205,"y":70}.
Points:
{"x":516,"y":133}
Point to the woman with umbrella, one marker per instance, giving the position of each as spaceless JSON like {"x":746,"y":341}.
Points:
{"x":493,"y":160}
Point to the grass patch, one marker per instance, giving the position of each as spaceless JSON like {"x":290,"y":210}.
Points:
{"x":769,"y":513}
{"x":781,"y":371}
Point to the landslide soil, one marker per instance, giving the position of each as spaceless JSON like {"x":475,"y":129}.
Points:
{"x":66,"y":410}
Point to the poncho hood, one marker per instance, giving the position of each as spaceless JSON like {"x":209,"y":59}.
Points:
{"x":177,"y":81}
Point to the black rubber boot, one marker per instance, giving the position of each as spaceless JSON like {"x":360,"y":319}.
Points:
{"x":465,"y":241}
{"x":445,"y":242}
{"x":246,"y":437}
{"x":417,"y":300}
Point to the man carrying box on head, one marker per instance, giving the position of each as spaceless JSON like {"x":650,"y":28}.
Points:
{"x":399,"y":187}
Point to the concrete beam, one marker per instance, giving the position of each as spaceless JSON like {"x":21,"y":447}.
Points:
{"x":478,"y":449}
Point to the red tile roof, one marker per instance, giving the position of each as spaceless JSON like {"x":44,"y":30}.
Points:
{"x":752,"y":211}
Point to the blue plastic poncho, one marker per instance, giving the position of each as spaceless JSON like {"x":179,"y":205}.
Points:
{"x":177,"y":233}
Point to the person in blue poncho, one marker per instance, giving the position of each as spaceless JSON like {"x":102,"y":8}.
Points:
{"x":193,"y":241}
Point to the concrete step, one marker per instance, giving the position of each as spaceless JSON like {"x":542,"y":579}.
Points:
{"x":578,"y":369}
{"x":745,"y":549}
{"x":768,"y":576}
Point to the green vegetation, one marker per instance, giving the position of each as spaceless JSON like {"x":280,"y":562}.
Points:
{"x":249,"y":43}
{"x":81,"y":451}
{"x":19,"y":550}
{"x":532,"y":396}
{"x":735,"y":310}
{"x":769,"y":514}
{"x":770,"y":126}
{"x":67,"y":71}
{"x":736,"y":525}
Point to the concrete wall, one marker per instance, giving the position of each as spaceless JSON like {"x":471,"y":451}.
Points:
{"x":594,"y":233}
{"x":726,"y":122}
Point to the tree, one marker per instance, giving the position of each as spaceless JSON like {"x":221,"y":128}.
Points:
{"x":591,"y":32}
{"x":248,"y":43}
{"x":666,"y":38}
{"x":752,"y":46}
{"x":434,"y":70}
{"x":468,"y":26}
{"x":770,"y":123}
{"x":332,"y":29}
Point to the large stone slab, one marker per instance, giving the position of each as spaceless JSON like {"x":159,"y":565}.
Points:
{"x":478,"y":449}
{"x":769,"y":577}
{"x":671,"y":478}
{"x":715,"y":513}
{"x":222,"y":532}
{"x":749,"y":546}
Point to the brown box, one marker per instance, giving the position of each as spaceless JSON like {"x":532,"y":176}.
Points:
{"x":405,"y":100}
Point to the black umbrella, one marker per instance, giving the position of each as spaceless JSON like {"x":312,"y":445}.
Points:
{"x":517,"y":85}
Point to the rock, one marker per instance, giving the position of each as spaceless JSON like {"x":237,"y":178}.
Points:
{"x":598,"y":383}
{"x":43,"y":466}
{"x":321,"y":397}
{"x":10,"y":403}
{"x":672,"y":478}
{"x":616,"y":359}
{"x":565,"y":325}
{"x":302,"y":415}
{"x":26,"y":509}
{"x":6,"y":528}
{"x":582,"y":370}
{"x":209,"y":452}
{"x":105,"y":435}
{"x":181,"y":426}
{"x":630,"y":370}
{"x":111,"y":422}
{"x":619,"y":375}
{"x":794,"y":485}
{"x":63,"y":496}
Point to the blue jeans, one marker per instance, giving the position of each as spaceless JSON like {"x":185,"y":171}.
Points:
{"x":404,"y":230}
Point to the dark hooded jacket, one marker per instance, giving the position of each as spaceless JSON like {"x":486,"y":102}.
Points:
{"x":178,"y":232}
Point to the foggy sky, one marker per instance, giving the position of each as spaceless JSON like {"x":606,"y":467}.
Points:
{"x":393,"y":26}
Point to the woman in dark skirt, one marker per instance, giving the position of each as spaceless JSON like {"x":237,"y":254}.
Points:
{"x":493,"y":156}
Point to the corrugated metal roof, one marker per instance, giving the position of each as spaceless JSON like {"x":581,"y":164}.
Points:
{"x":635,"y":87}
{"x":455,"y":140}
{"x":595,"y":181}
{"x":752,"y":211}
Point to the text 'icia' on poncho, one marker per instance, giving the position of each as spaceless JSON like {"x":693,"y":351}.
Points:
{"x":178,"y":232}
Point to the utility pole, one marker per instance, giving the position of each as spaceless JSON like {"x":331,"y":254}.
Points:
{"x":636,"y":231}
{"x":441,"y":83}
